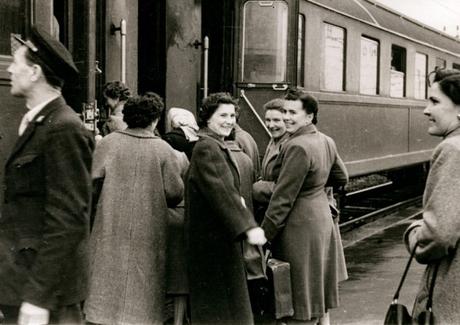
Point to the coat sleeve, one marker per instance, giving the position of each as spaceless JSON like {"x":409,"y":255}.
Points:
{"x":286,"y":189}
{"x":438,"y":233}
{"x":172,"y":180}
{"x":215,"y":181}
{"x":68,"y":158}
{"x":338,"y":176}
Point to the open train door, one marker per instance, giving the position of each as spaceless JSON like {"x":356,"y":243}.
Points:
{"x":265,"y":59}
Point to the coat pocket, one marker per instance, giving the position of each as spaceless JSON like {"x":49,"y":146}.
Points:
{"x":26,"y":252}
{"x":28,"y":174}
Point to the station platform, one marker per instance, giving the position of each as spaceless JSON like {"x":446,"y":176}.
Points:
{"x":375,"y":265}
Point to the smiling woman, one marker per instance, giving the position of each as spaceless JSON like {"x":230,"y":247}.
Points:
{"x":438,"y":233}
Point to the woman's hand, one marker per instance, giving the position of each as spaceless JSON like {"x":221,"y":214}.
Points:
{"x":256,"y":236}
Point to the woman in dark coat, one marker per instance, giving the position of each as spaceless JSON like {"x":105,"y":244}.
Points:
{"x":298,"y":220}
{"x":218,"y":221}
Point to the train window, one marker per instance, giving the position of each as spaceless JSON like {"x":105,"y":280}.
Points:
{"x":440,"y":64}
{"x":398,"y":71}
{"x":368,"y":83}
{"x":456,"y":66}
{"x":334,"y":58}
{"x":264,"y":45}
{"x":301,"y":51}
{"x":421,"y":61}
{"x":13,"y":17}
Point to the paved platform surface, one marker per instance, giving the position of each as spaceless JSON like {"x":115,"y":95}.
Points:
{"x":375,"y":266}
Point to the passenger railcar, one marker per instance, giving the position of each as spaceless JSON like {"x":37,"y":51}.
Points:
{"x":365,"y":63}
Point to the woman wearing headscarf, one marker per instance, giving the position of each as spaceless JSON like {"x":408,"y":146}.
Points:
{"x":218,"y":221}
{"x":298,"y":220}
{"x":140,"y":179}
{"x":437,"y":235}
{"x":183,"y":130}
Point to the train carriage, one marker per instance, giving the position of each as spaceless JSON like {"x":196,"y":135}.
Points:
{"x":365,"y":63}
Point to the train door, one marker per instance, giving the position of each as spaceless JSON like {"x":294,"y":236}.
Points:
{"x":265,"y":58}
{"x":218,"y":26}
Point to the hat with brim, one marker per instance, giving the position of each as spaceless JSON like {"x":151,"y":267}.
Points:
{"x":50,"y":53}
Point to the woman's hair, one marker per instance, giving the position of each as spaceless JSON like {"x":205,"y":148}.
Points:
{"x":309,"y":103}
{"x":449,"y":83}
{"x":210,"y":105}
{"x":141,"y":111}
{"x":274,"y":104}
{"x":116,"y":90}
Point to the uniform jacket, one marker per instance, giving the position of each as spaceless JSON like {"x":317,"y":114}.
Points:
{"x":217,"y":222}
{"x":438,"y":233}
{"x":128,"y":242}
{"x":45,"y":217}
{"x":299,"y":224}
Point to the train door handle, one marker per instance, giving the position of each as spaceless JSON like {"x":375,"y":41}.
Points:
{"x":280,"y":87}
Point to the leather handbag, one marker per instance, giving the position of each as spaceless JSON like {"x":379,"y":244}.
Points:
{"x":397,"y":314}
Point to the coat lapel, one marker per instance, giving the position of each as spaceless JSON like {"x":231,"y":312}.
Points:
{"x":38,"y":119}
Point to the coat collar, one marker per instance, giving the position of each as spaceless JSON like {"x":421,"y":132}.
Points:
{"x":307,"y":129}
{"x":453,"y":133}
{"x":37,"y":120}
{"x":138,"y":133}
{"x":207,"y":133}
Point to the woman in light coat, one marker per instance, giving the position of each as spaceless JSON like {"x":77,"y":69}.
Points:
{"x":437,"y":235}
{"x":140,"y":179}
{"x":298,"y":220}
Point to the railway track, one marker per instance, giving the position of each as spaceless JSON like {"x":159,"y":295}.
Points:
{"x":372,"y":203}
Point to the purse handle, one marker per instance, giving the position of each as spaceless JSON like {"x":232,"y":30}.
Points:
{"x":429,"y":302}
{"x":403,"y":278}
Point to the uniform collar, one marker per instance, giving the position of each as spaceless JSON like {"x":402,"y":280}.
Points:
{"x":30,"y":115}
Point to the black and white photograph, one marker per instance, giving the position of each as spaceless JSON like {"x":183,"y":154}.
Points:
{"x":230,"y":162}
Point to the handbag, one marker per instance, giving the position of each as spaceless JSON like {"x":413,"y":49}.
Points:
{"x":397,"y":314}
{"x":254,"y":261}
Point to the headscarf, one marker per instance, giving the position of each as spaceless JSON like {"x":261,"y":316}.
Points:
{"x":185,"y":120}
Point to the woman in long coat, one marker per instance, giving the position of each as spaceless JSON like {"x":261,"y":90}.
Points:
{"x":218,"y":221}
{"x":437,"y":235}
{"x":298,"y":220}
{"x":141,"y":179}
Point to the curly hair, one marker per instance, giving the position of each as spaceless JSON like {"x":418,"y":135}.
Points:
{"x":274,"y":104}
{"x":116,"y":90}
{"x":210,"y":105}
{"x":309,"y":103}
{"x":141,"y":111}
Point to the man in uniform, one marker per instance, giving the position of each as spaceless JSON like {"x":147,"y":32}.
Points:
{"x":44,"y":224}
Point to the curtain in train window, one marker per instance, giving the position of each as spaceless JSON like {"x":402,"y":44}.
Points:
{"x":334,"y":55}
{"x":265,"y":35}
{"x":368,"y":82}
{"x":420,"y":76}
{"x":13,"y":18}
